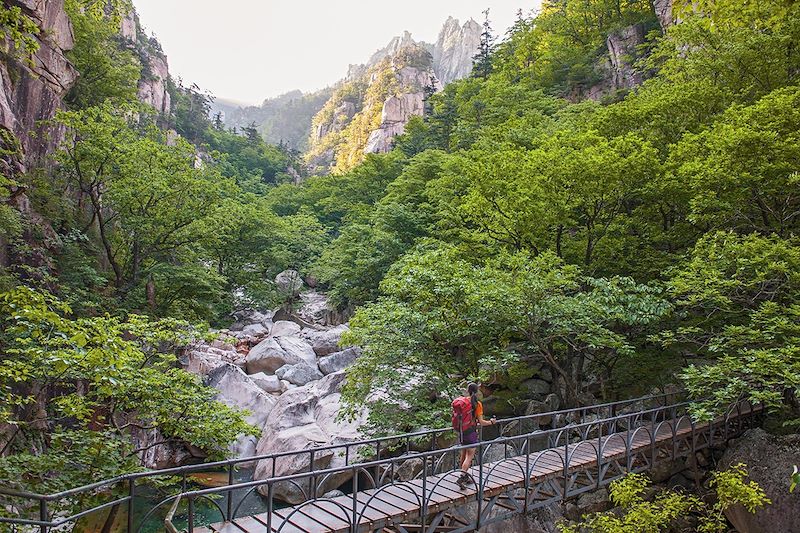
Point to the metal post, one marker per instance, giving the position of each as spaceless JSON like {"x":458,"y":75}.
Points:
{"x":566,"y":466}
{"x":480,"y":484}
{"x":230,"y":493}
{"x":599,"y":454}
{"x":653,"y":439}
{"x":269,"y":506}
{"x":191,"y":514}
{"x":527,"y":470}
{"x":629,"y":458}
{"x":43,"y":515}
{"x":132,"y":495}
{"x":354,"y":525}
{"x":423,"y":512}
{"x":311,"y":480}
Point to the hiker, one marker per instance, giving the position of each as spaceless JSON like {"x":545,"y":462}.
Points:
{"x":467,"y":413}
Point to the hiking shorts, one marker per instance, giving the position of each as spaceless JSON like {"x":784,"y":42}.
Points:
{"x":470,"y":436}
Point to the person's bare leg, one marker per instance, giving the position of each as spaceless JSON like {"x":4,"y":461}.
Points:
{"x":468,"y":456}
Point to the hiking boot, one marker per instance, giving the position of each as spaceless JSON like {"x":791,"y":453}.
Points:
{"x":464,"y":481}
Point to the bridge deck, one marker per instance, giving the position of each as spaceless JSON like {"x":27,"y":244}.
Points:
{"x":394,"y":504}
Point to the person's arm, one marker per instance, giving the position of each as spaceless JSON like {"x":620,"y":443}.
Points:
{"x":481,"y":420}
{"x":492,"y":421}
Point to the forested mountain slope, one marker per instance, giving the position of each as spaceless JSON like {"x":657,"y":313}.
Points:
{"x":607,"y":204}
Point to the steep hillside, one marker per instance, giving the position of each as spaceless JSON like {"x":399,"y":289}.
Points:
{"x":285,"y":119}
{"x":369,"y":109}
{"x":377,"y":99}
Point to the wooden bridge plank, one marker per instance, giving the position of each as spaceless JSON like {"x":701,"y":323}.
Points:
{"x":293,"y":519}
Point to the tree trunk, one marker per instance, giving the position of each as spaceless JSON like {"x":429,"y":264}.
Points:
{"x":151,"y":294}
{"x":101,"y":226}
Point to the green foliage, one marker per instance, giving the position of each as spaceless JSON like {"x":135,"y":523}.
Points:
{"x":9,"y":218}
{"x":559,"y":48}
{"x":19,"y":32}
{"x":109,"y":69}
{"x":737,"y":301}
{"x":669,"y":508}
{"x":444,"y":319}
{"x":150,"y":202}
{"x":795,"y":479}
{"x":741,"y":172}
{"x":75,"y":389}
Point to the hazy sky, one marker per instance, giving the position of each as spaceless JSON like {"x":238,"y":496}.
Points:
{"x":247,"y":50}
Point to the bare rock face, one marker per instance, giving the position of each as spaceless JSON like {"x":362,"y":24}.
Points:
{"x":305,"y":418}
{"x":417,"y":66}
{"x":237,"y":390}
{"x":203,"y":358}
{"x":155,"y":71}
{"x":454,"y":50}
{"x":398,"y":108}
{"x":769,"y":461}
{"x":339,"y":361}
{"x":623,"y":50}
{"x":30,"y":95}
{"x":324,"y":342}
{"x":663,"y":9}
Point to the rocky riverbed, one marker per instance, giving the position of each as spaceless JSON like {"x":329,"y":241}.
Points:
{"x":286,"y":369}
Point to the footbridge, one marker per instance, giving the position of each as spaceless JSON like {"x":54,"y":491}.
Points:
{"x":403,"y":483}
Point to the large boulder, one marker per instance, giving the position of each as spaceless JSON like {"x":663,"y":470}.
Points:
{"x":237,"y":390}
{"x":769,"y":460}
{"x":274,"y":352}
{"x":202,"y":358}
{"x":270,"y":384}
{"x":285,"y":328}
{"x":250,"y":317}
{"x":300,"y":374}
{"x":256,"y":330}
{"x":324,"y":341}
{"x":338,"y":361}
{"x":314,"y":308}
{"x":289,"y":283}
{"x":305,"y":418}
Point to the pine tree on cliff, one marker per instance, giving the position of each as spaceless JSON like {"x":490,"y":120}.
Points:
{"x":218,"y":123}
{"x":251,"y":132}
{"x":428,"y":91}
{"x":482,"y":61}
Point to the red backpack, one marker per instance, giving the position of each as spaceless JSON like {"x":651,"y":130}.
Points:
{"x":463,"y":418}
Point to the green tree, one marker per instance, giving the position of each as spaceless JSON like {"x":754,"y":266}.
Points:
{"x":108,"y":69}
{"x":74,"y":390}
{"x":670,"y":508}
{"x":737,"y":302}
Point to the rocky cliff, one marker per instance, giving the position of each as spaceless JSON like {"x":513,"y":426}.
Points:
{"x":361,"y":103}
{"x":455,"y":48}
{"x":31,"y":91}
{"x":155,"y":68}
{"x":372,"y":106}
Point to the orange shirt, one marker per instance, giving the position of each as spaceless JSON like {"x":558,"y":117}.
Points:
{"x":478,"y":410}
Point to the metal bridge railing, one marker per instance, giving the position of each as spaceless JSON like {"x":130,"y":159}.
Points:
{"x":562,"y":445}
{"x":47,"y":511}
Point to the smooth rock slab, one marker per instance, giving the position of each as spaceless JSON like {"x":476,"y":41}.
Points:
{"x":326,"y":341}
{"x":267,"y":383}
{"x":304,"y":418}
{"x":237,"y":390}
{"x":285,"y":328}
{"x":274,"y":352}
{"x":338,"y":361}
{"x":300,"y":374}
